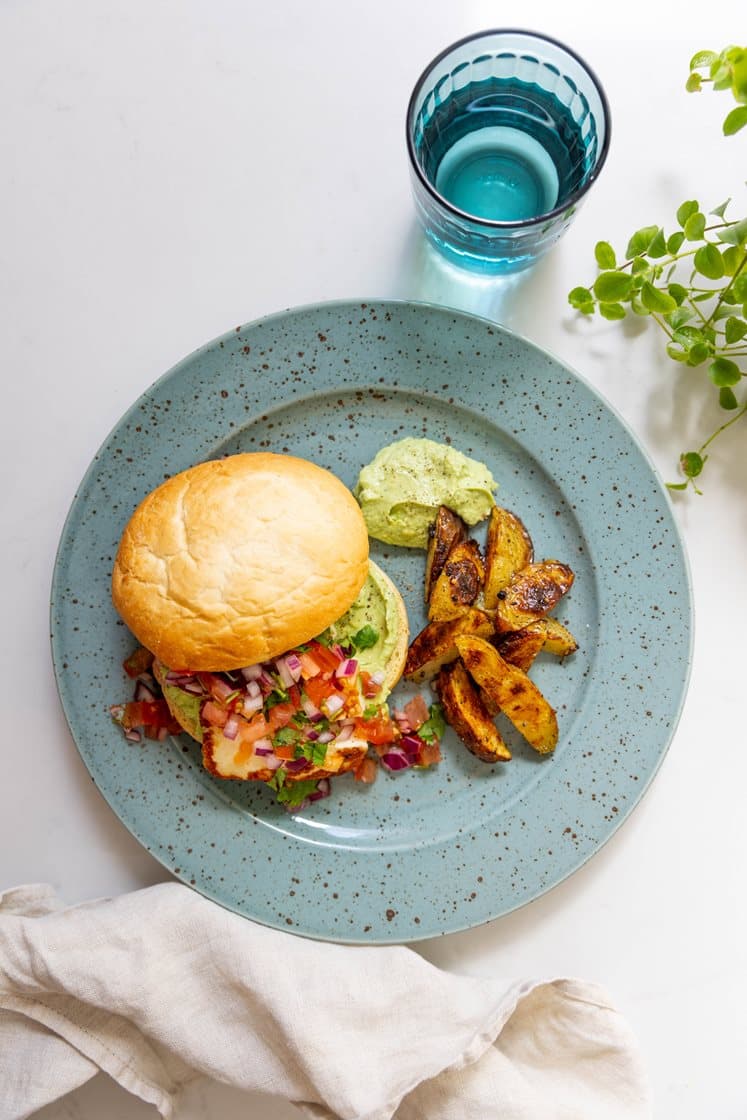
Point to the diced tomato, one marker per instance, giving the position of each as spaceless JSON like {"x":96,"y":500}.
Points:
{"x":294,"y":696}
{"x":249,"y":732}
{"x":429,"y":753}
{"x":370,"y":688}
{"x":281,"y":715}
{"x":326,"y":659}
{"x":366,"y":771}
{"x":416,"y":712}
{"x":219,"y":689}
{"x":380,"y":729}
{"x":318,"y":690}
{"x":285,"y":750}
{"x":139,"y":661}
{"x":309,"y":666}
{"x":214,"y":713}
{"x":149,"y":713}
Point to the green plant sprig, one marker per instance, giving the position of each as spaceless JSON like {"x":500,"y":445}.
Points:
{"x":691,"y":282}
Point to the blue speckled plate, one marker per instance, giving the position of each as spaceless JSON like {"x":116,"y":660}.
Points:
{"x":417,"y":853}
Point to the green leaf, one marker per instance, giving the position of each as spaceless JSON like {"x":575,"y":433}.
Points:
{"x":678,"y":293}
{"x":679,"y":317}
{"x":677,"y":485}
{"x":366,"y":638}
{"x":641,"y":240}
{"x":694,"y":83}
{"x":695,"y":226}
{"x":674,"y":242}
{"x":658,"y":247}
{"x":732,"y":258}
{"x":639,"y":265}
{"x":605,"y":255}
{"x":699,"y":353}
{"x":638,"y":307}
{"x":582,"y":300}
{"x":294,"y":794}
{"x":692,"y":464}
{"x":734,"y":234}
{"x":686,"y":210}
{"x":611,"y":287}
{"x":708,"y":262}
{"x":734,"y":329}
{"x":703,"y":58}
{"x":739,"y":287}
{"x":612,"y":311}
{"x":657,"y":300}
{"x":735,"y":120}
{"x":719,"y":211}
{"x":724,"y":372}
{"x":675,"y":353}
{"x":727,"y":399}
{"x":434,"y":726}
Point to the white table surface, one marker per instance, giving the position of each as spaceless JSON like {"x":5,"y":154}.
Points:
{"x":170,"y":170}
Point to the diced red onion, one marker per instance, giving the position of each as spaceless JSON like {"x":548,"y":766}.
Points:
{"x":252,"y":672}
{"x":133,"y":735}
{"x":395,"y":759}
{"x":296,"y":765}
{"x":263,"y":746}
{"x":220,"y":689}
{"x":272,"y":762}
{"x":252,"y":704}
{"x":334,"y":703}
{"x":338,"y":651}
{"x":312,"y":735}
{"x":378,"y":677}
{"x":345,"y":732}
{"x":293,"y":664}
{"x":231,"y":726}
{"x":253,"y":689}
{"x":326,"y":737}
{"x":193,"y":687}
{"x":311,"y":710}
{"x":347,"y":668}
{"x":142,"y":692}
{"x":286,"y":676}
{"x":162,"y":733}
{"x":411,"y":744}
{"x":323,"y":789}
{"x":266,"y":680}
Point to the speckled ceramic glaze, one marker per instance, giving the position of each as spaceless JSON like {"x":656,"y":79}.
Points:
{"x":417,"y":853}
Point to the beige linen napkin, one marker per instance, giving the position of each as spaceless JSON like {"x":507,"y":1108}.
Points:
{"x":162,"y":986}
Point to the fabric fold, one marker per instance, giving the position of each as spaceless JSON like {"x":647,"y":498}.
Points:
{"x":161,"y":986}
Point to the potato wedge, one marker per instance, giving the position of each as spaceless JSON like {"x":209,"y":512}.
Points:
{"x":531,"y":594}
{"x":511,"y":689}
{"x":558,"y":638}
{"x":520,"y":647}
{"x":508,"y":549}
{"x":459,"y":583}
{"x":434,"y":646}
{"x":447,"y":530}
{"x":466,"y":713}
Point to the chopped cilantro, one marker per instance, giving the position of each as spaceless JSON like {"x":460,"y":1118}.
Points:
{"x":284,"y":737}
{"x":366,"y":638}
{"x":318,"y":753}
{"x":277,"y":696}
{"x":294,"y":793}
{"x":434,"y":726}
{"x":373,"y":710}
{"x":277,"y":781}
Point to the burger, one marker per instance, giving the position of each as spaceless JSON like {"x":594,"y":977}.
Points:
{"x":265,"y":630}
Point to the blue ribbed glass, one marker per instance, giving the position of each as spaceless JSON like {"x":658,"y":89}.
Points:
{"x":506,"y":132}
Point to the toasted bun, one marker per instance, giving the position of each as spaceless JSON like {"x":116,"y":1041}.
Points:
{"x":236,"y":560}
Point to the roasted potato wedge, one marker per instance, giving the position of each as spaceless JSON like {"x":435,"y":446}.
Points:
{"x":558,"y":638}
{"x":508,"y":549}
{"x":459,"y":583}
{"x":522,"y":646}
{"x":511,"y":689}
{"x":447,"y":530}
{"x":531,"y":594}
{"x":467,"y":714}
{"x":434,"y":646}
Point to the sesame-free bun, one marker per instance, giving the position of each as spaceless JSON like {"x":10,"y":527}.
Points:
{"x":237,"y":560}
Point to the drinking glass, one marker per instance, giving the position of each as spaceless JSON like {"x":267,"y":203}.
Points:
{"x":506,"y":132}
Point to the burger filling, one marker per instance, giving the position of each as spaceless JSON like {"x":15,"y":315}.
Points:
{"x":292,"y":722}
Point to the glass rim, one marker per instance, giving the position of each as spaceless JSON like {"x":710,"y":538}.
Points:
{"x":493,"y":223}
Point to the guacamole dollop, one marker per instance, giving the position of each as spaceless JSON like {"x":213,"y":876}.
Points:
{"x":400,"y":490}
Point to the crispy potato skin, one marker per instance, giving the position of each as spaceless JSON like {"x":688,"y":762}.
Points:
{"x":467,"y":714}
{"x":435,"y":646}
{"x":459,"y":583}
{"x":520,"y":647}
{"x":446,"y":531}
{"x":558,"y":638}
{"x":531,"y":594}
{"x":511,"y":689}
{"x":508,"y":549}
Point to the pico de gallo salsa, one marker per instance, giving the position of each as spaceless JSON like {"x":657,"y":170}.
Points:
{"x":289,"y":716}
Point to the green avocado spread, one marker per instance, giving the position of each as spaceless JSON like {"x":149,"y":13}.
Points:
{"x":371,"y":626}
{"x":402,"y":487}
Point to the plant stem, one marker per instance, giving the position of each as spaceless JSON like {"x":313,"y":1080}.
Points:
{"x":724,"y":426}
